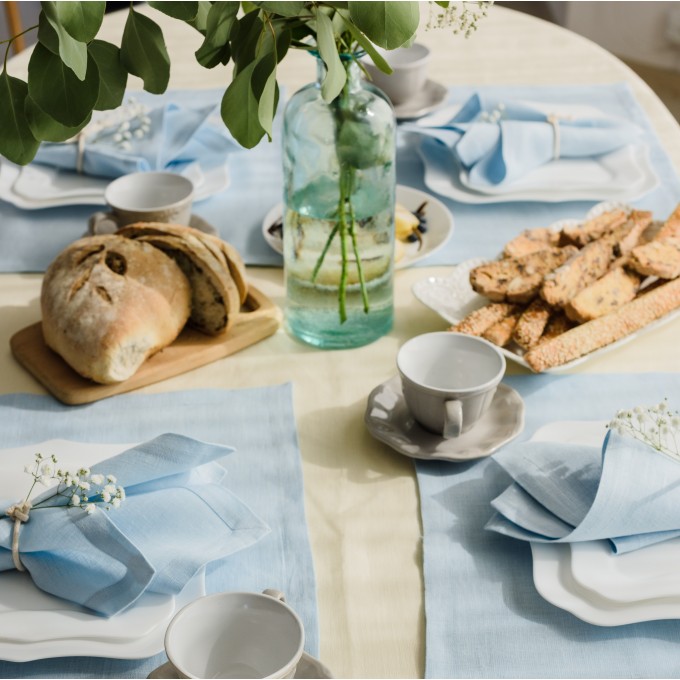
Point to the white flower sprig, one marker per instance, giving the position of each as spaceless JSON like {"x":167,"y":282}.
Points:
{"x":461,"y":17}
{"x":656,"y":425}
{"x":80,"y":488}
{"x":123,"y":125}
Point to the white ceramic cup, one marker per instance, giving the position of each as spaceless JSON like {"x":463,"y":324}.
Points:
{"x":236,"y":635}
{"x":145,"y":197}
{"x":409,"y":72}
{"x":449,"y":379}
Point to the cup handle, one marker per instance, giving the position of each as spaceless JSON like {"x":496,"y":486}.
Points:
{"x":453,"y":419}
{"x":102,"y":223}
{"x":276,"y":594}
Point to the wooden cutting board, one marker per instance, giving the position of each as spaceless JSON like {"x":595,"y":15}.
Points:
{"x":259,"y":319}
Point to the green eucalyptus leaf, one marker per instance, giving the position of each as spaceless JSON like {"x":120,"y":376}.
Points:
{"x":387,"y":24}
{"x":336,"y":76}
{"x":284,"y":9}
{"x":47,"y":35}
{"x":442,"y":3}
{"x":240,"y":109}
{"x":359,"y":147}
{"x":249,"y":7}
{"x":264,"y":89}
{"x":81,"y":20}
{"x":57,"y":90}
{"x":215,"y":48}
{"x":17,"y":143}
{"x":200,"y":21}
{"x":184,"y":11}
{"x":366,"y":45}
{"x":45,"y":128}
{"x":112,"y":74}
{"x":143,"y":52}
{"x":71,"y":51}
{"x":245,"y":40}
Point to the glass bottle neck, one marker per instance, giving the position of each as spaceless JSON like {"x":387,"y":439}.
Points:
{"x":352,"y":68}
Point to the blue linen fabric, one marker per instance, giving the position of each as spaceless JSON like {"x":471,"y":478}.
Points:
{"x":175,"y":519}
{"x":624,"y":491}
{"x":483,"y":615}
{"x":522,"y":138}
{"x":264,"y":471}
{"x":30,"y":240}
{"x":178,"y":136}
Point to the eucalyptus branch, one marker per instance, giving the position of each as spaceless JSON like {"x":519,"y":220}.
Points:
{"x":9,"y":42}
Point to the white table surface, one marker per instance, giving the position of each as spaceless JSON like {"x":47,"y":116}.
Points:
{"x":361,"y":497}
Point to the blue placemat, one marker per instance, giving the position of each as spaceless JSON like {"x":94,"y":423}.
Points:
{"x":29,"y":240}
{"x":265,"y":472}
{"x":484,"y":617}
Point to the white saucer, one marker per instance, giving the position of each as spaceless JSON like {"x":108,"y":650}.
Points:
{"x":308,"y":667}
{"x":439,"y":226}
{"x":389,"y":420}
{"x":426,"y":100}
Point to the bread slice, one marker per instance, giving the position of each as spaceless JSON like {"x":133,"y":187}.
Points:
{"x":670,"y":231}
{"x":531,"y":241}
{"x":109,"y":303}
{"x":614,"y":289}
{"x":215,"y":298}
{"x":628,"y":235}
{"x":656,"y":258}
{"x":593,"y":229}
{"x":586,"y":266}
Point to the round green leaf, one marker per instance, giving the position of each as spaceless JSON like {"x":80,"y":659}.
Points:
{"x":81,"y":20}
{"x":215,"y":48}
{"x":17,"y":143}
{"x":336,"y":76}
{"x":290,"y":8}
{"x":71,"y":51}
{"x":240,"y":109}
{"x":47,"y":35}
{"x":143,"y":52}
{"x":387,"y":24}
{"x":184,"y":11}
{"x":45,"y":128}
{"x":112,"y":74}
{"x":56,"y":89}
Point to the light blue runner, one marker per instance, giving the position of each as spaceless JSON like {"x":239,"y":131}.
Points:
{"x":29,"y":240}
{"x":484,"y":618}
{"x":265,"y":472}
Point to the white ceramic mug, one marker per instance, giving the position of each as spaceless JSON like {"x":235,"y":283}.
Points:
{"x":449,"y":379}
{"x":145,"y":197}
{"x":236,"y":635}
{"x":409,"y":72}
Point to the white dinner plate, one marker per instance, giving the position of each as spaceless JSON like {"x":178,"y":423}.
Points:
{"x":553,"y":563}
{"x":439,"y":226}
{"x":453,"y":298}
{"x":625,"y":174}
{"x":36,"y":625}
{"x":34,"y":187}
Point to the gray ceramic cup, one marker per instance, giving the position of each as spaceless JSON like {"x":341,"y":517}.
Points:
{"x":449,"y":379}
{"x":145,"y":197}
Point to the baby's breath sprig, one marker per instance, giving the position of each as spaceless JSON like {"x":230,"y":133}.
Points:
{"x":80,"y":488}
{"x":460,"y":17}
{"x":656,"y":425}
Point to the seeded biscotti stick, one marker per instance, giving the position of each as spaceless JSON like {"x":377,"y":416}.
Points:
{"x":478,"y":321}
{"x":578,"y":272}
{"x":532,"y":323}
{"x":607,"y":329}
{"x":614,"y":289}
{"x":501,"y":332}
{"x":558,"y":323}
{"x":531,"y":241}
{"x":582,"y":234}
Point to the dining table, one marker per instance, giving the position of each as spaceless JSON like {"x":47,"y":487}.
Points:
{"x":361,"y":497}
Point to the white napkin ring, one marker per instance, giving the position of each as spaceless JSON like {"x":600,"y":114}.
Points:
{"x":554,"y":120}
{"x":19,"y":512}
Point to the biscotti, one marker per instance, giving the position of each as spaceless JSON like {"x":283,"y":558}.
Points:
{"x":109,"y":303}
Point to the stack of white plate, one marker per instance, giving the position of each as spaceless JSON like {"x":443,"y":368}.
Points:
{"x":36,"y":625}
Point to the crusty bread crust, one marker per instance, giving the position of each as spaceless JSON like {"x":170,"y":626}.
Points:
{"x":109,"y":303}
{"x":603,"y":331}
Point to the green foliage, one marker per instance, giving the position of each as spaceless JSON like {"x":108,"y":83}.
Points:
{"x":71,"y":73}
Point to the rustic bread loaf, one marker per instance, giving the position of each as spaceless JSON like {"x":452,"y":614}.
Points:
{"x":109,"y":303}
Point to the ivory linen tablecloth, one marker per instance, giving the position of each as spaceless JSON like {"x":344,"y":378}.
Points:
{"x":361,"y":497}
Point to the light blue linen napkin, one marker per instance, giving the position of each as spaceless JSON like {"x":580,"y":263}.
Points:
{"x":175,"y":519}
{"x":484,"y":617}
{"x":178,"y":136}
{"x":624,"y":491}
{"x":264,"y":469}
{"x":499,"y":141}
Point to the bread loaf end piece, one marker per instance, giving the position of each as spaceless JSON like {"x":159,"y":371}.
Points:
{"x":109,"y":303}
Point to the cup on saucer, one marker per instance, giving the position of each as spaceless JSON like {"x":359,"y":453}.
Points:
{"x":449,"y":380}
{"x":235,"y":635}
{"x":145,"y":197}
{"x":409,"y":72}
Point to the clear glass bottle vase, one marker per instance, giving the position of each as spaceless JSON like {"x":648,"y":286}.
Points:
{"x":339,"y":194}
